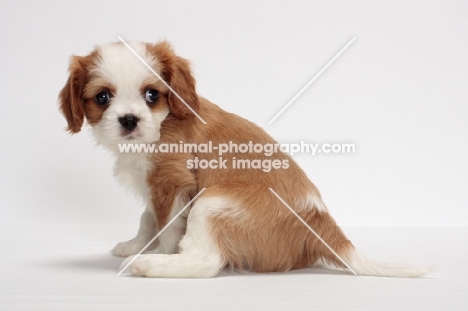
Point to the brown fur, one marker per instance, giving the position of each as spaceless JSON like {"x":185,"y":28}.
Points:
{"x":257,"y":231}
{"x":176,"y":72}
{"x":71,"y":95}
{"x":263,"y":235}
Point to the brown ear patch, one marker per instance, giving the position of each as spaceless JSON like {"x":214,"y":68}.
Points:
{"x":176,"y":71}
{"x":71,"y":95}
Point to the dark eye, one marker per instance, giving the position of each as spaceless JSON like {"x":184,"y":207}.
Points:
{"x":103,"y":98}
{"x":151,"y":96}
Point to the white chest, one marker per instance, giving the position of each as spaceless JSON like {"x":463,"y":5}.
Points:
{"x":131,"y":170}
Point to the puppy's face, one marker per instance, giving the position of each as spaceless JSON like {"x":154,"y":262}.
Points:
{"x":121,"y":98}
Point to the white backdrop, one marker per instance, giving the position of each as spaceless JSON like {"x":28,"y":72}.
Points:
{"x":399,"y":93}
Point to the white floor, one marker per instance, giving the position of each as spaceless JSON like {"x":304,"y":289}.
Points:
{"x":68,"y":267}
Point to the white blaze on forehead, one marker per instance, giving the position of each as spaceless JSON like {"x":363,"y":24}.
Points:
{"x":123,"y":72}
{"x":121,"y":68}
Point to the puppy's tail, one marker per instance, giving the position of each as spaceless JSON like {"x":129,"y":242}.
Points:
{"x":335,"y":249}
{"x":363,"y":266}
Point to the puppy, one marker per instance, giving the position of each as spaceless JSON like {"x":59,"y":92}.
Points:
{"x":235,"y":219}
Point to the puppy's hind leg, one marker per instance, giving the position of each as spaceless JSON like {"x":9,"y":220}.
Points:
{"x":198,"y":257}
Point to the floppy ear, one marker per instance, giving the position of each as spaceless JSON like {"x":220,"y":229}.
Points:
{"x":176,"y":71}
{"x":70,"y":100}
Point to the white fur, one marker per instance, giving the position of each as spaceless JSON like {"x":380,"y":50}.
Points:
{"x":125,"y":72}
{"x":147,"y":231}
{"x":317,"y":203}
{"x":199,"y":257}
{"x":130,"y":170}
{"x":308,"y":203}
{"x":363,"y":266}
{"x":122,"y":69}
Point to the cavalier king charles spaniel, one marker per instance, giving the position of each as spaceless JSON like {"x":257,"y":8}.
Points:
{"x":216,"y":211}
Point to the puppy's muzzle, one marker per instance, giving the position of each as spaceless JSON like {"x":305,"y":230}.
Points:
{"x":129,"y":122}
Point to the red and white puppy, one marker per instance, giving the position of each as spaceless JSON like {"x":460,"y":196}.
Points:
{"x":237,"y":221}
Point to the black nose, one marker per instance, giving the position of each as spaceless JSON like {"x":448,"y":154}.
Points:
{"x":129,"y":122}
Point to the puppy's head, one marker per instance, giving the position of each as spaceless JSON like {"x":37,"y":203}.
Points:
{"x":121,"y":98}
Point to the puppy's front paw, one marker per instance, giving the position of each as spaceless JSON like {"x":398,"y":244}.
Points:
{"x":127,"y":248}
